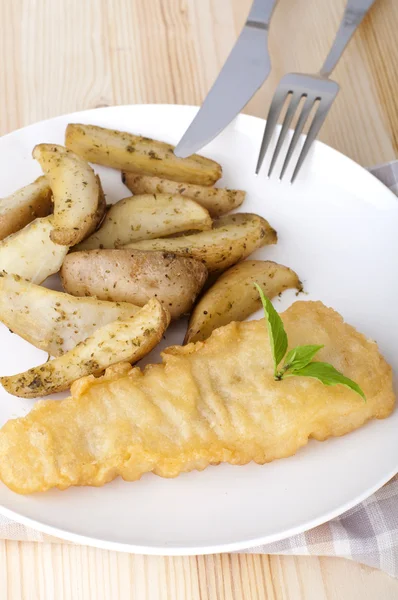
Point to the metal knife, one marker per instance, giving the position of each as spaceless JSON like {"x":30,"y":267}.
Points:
{"x":246,"y":69}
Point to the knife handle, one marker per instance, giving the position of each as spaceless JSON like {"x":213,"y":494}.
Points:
{"x":260,"y":13}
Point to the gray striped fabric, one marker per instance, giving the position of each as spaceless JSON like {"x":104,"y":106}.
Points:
{"x":367,"y":533}
{"x":388,"y":174}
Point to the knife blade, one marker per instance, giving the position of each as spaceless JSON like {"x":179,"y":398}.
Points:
{"x":245,"y":70}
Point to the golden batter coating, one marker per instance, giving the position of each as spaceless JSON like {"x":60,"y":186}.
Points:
{"x":209,"y":402}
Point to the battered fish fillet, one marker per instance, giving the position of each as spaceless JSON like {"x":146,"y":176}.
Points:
{"x":209,"y":402}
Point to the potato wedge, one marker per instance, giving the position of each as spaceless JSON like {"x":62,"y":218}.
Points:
{"x":234,"y":298}
{"x":232,"y":239}
{"x":128,"y":152}
{"x":76,"y":193}
{"x":24,"y":206}
{"x":116,"y":342}
{"x":30,"y":252}
{"x":135,"y":276}
{"x":146,"y":217}
{"x":99,"y":216}
{"x":53,"y":321}
{"x":217,"y":201}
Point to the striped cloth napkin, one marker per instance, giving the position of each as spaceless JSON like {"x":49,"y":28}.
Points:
{"x":367,"y":533}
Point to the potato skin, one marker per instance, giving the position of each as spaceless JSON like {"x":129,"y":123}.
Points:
{"x":218,"y":201}
{"x":135,"y":276}
{"x":54,"y":321}
{"x":119,"y":341}
{"x":24,"y":206}
{"x":100,"y":213}
{"x":76,"y":190}
{"x":128,"y":152}
{"x":147,"y":216}
{"x":232,"y":239}
{"x":233,"y":297}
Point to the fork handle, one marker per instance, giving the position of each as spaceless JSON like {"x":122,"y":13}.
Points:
{"x":353,"y":15}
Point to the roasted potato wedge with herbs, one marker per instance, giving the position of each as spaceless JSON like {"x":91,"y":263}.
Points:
{"x":99,"y":216}
{"x":146,"y":217}
{"x":232,"y":239}
{"x":54,"y":321}
{"x":77,"y":194}
{"x":30,"y":252}
{"x":120,"y":341}
{"x":138,"y":154}
{"x":135,"y":276}
{"x":24,"y":206}
{"x":217,"y":201}
{"x":234,"y":298}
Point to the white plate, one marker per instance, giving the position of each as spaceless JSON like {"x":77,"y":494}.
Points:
{"x":337,"y":228}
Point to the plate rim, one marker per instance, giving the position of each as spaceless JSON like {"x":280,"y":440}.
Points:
{"x":165,"y":550}
{"x":154,"y":550}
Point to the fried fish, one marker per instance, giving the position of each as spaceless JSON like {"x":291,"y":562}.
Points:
{"x":206,"y":403}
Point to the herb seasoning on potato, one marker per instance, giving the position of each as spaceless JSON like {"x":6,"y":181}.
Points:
{"x":217,"y":201}
{"x":31,"y":253}
{"x":234,"y":298}
{"x":145,"y":217}
{"x":54,"y":321}
{"x":128,"y":152}
{"x":135,"y":276}
{"x":25,"y":205}
{"x":79,"y":203}
{"x":232,"y":239}
{"x":116,"y":342}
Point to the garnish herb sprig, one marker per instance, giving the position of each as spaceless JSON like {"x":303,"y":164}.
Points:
{"x":298,"y":361}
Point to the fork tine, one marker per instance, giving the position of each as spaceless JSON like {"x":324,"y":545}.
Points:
{"x":313,"y":131}
{"x":294,"y":102}
{"x":297,"y":132}
{"x":272,"y":119}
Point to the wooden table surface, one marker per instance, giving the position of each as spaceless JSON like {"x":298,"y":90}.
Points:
{"x":58,"y":56}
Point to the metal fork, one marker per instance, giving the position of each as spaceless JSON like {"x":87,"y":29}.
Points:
{"x":313,"y":89}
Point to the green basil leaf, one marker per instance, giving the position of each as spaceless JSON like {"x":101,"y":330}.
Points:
{"x":299,"y":357}
{"x":328,"y":375}
{"x":276,"y":331}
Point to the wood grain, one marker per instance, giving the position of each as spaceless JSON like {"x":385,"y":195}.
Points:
{"x":59,"y":56}
{"x":33,"y":571}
